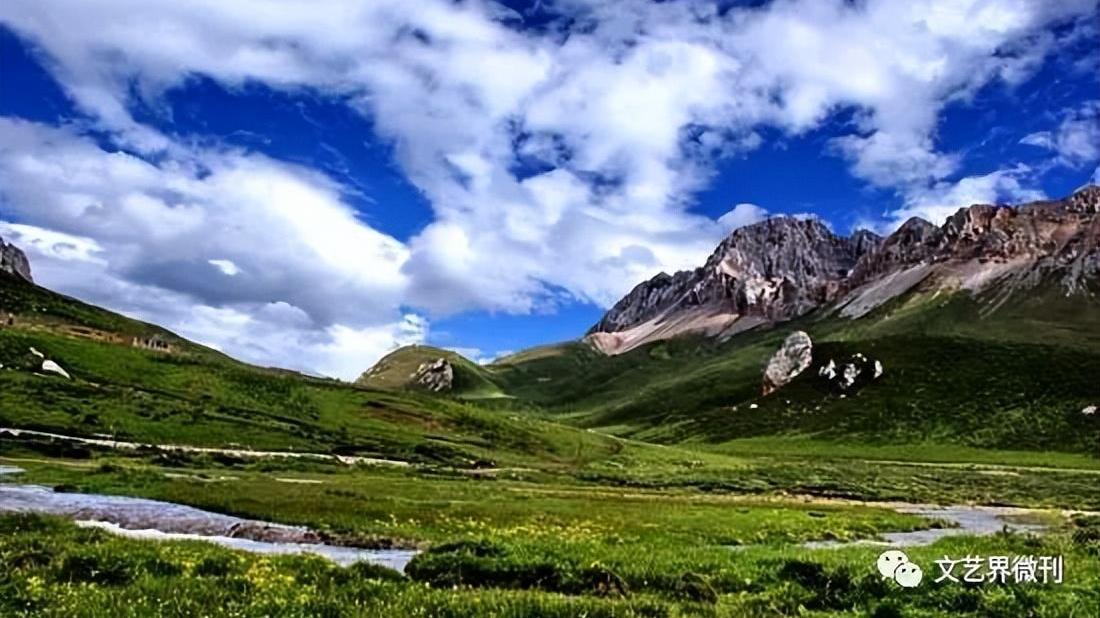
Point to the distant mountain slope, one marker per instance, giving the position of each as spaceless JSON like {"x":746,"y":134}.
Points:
{"x":782,"y":268}
{"x":988,"y":328}
{"x":1017,"y":379}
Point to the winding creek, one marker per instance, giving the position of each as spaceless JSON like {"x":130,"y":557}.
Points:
{"x":155,"y":520}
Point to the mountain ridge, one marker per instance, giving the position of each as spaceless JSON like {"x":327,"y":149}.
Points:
{"x":782,"y":268}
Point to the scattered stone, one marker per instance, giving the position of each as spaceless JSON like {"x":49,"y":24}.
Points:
{"x":51,"y":367}
{"x":37,"y":353}
{"x":792,"y":358}
{"x":856,"y":372}
{"x":848,"y":375}
{"x":753,"y":406}
{"x":436,"y":376}
{"x":1089,"y":410}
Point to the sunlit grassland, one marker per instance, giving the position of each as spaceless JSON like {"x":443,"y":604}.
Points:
{"x":56,"y":569}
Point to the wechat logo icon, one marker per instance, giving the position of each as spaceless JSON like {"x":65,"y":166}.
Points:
{"x":895,"y":565}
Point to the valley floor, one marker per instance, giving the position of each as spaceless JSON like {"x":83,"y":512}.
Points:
{"x":647,"y":532}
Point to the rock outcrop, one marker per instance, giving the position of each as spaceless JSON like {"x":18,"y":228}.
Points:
{"x":14,"y":262}
{"x":850,"y":374}
{"x":785,"y":267}
{"x":436,"y":376}
{"x":768,"y":272}
{"x":791,"y":359}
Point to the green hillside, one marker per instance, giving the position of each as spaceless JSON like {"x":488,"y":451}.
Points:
{"x":524,"y":504}
{"x":1015,"y":378}
{"x":191,"y":395}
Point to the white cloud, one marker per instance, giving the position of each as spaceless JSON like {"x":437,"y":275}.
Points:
{"x":126,"y":233}
{"x":942,"y":200}
{"x":628,"y":105}
{"x":1076,"y":140}
{"x":52,"y":244}
{"x":227,"y":267}
{"x":741,"y":215}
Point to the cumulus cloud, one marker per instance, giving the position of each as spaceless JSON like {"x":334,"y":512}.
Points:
{"x":558,"y":160}
{"x":149,"y":239}
{"x":945,"y":198}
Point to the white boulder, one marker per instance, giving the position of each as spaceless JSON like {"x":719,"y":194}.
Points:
{"x":791,"y":359}
{"x":51,"y":367}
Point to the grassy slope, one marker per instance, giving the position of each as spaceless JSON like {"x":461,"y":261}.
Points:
{"x":200,"y":397}
{"x":1013,"y":380}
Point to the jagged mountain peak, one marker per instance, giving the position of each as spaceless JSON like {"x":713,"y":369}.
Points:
{"x":785,"y":267}
{"x":772,"y":270}
{"x":14,"y":262}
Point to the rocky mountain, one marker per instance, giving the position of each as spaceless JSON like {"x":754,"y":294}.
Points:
{"x":785,"y":267}
{"x":14,"y":262}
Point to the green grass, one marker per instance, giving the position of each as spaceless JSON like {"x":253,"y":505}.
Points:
{"x":916,"y":453}
{"x":956,"y":377}
{"x":425,"y":506}
{"x":532,"y":488}
{"x":194,"y":396}
{"x":56,"y":569}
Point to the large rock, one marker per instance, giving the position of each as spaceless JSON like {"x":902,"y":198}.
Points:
{"x":14,"y":262}
{"x":437,"y":376}
{"x":792,"y":358}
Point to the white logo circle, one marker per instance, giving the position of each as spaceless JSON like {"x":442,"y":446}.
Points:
{"x":889,"y":561}
{"x":908,"y":575}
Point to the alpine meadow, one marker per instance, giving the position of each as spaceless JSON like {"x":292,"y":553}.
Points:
{"x":554,"y":309}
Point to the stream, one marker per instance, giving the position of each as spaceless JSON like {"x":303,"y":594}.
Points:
{"x":152,"y":519}
{"x":976,"y":520}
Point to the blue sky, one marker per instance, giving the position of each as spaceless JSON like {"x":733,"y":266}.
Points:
{"x":313,"y":186}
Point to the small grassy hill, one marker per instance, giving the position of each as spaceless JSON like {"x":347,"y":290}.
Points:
{"x":395,"y":372}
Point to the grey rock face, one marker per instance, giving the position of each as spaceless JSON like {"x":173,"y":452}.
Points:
{"x":1058,"y":238}
{"x":792,"y":358}
{"x":784,"y":267}
{"x":437,"y":376}
{"x":776,"y":269}
{"x":14,"y":262}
